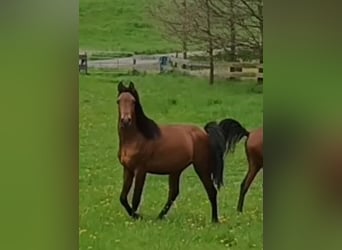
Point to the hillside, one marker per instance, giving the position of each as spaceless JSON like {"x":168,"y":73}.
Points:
{"x":119,"y":25}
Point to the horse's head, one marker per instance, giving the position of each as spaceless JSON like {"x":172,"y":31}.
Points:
{"x":132,"y":113}
{"x":126,"y":104}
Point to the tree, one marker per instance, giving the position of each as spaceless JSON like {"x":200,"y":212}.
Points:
{"x":211,"y":24}
{"x":243,"y":27}
{"x":190,"y":21}
{"x":174,"y":16}
{"x":206,"y":28}
{"x":250,"y":19}
{"x":225,"y":11}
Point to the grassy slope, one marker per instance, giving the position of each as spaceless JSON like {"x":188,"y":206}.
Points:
{"x":119,"y":25}
{"x":103,"y":222}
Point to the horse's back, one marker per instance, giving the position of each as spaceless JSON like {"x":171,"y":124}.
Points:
{"x":182,"y":128}
{"x":176,"y":135}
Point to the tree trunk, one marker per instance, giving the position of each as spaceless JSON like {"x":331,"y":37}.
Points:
{"x":211,"y":63}
{"x":185,"y":35}
{"x":261,"y":54}
{"x":185,"y":50}
{"x":261,"y":25}
{"x":232,"y":53}
{"x":210,"y":44}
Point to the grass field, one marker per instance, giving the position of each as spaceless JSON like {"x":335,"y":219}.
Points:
{"x":167,"y":99}
{"x":120,"y":25}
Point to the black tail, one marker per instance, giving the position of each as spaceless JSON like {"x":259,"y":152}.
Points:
{"x":218,"y":145}
{"x":233,"y":132}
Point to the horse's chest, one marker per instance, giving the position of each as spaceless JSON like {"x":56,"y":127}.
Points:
{"x":129,"y":158}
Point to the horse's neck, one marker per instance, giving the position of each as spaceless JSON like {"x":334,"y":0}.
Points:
{"x":129,"y":136}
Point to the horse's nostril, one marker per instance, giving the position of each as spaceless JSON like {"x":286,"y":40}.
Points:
{"x":126,"y":121}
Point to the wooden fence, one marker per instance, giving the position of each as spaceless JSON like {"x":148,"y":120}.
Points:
{"x":226,"y":70}
{"x":236,"y":71}
{"x":246,"y":70}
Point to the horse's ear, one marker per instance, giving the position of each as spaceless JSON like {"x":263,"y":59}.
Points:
{"x":121,"y":87}
{"x":131,"y":85}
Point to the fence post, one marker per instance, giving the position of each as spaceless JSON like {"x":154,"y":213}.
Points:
{"x":260,"y":78}
{"x":134,"y":63}
{"x":83,"y":65}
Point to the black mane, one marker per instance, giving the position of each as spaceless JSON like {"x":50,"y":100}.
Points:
{"x":145,"y":125}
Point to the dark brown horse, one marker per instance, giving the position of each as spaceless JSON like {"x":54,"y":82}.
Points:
{"x":233,"y":132}
{"x":145,"y":147}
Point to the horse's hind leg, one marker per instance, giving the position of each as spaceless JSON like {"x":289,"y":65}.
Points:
{"x":173,"y":193}
{"x":253,"y":169}
{"x":127,"y":184}
{"x":205,"y":176}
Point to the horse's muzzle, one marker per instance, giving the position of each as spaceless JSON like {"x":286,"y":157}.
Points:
{"x":126,"y":122}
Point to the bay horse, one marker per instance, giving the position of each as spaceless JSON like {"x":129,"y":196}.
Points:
{"x":145,"y":147}
{"x":233,"y":132}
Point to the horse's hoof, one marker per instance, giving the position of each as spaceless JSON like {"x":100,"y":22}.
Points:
{"x":136,"y":216}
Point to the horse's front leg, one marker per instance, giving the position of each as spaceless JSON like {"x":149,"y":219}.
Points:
{"x":138,"y":188}
{"x":127,"y":184}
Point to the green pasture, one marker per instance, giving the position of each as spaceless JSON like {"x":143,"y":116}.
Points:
{"x":104,"y":224}
{"x":120,"y":25}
